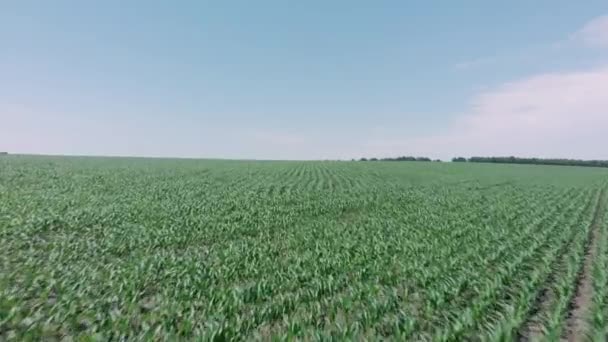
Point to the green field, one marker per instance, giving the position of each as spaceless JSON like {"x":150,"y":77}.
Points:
{"x":112,"y":248}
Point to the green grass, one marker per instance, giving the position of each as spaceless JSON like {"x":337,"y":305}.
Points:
{"x":156,"y":248}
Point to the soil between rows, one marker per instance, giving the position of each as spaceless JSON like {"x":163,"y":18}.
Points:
{"x":578,"y":309}
{"x":577,"y":322}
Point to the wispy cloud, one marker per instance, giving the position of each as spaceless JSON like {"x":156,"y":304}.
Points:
{"x":556,"y":114}
{"x":553,"y":115}
{"x":594,"y":33}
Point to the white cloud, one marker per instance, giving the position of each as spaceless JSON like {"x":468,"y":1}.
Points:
{"x":558,"y":114}
{"x":594,"y":33}
{"x":550,"y":115}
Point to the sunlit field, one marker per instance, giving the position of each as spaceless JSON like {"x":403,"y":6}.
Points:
{"x":113,"y":248}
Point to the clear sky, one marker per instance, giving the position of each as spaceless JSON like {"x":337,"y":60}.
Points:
{"x":305,"y":79}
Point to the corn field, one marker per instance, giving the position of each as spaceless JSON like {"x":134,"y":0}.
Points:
{"x":159,"y":249}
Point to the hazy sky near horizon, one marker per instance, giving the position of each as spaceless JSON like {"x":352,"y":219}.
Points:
{"x":305,"y":80}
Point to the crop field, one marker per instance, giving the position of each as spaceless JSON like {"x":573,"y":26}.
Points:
{"x":128,"y":248}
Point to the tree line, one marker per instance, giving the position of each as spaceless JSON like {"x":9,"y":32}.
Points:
{"x":533,"y":161}
{"x":402,"y":158}
{"x":502,"y":160}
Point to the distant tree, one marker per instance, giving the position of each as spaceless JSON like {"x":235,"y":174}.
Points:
{"x":540,"y":161}
{"x":503,"y":160}
{"x":401,"y":158}
{"x":437,"y":160}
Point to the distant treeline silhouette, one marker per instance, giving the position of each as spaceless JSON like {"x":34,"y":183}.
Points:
{"x":534,"y":161}
{"x":403,"y":158}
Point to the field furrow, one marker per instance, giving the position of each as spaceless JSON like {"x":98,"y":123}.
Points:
{"x":577,"y":327}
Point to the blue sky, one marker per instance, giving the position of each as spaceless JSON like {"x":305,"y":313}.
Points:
{"x":305,"y":80}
